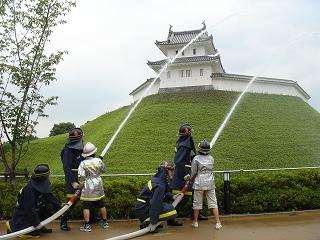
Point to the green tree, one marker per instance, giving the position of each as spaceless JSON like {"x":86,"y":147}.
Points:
{"x":61,"y":128}
{"x":26,"y":67}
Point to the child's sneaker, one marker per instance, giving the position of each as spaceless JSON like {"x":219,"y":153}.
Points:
{"x":218,"y":225}
{"x":195,"y":224}
{"x":104,"y":224}
{"x":86,"y":228}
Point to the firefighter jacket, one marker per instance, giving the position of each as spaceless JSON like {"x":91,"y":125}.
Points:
{"x":32,"y":206}
{"x":150,"y":206}
{"x":89,"y":173}
{"x":182,"y":161}
{"x":202,"y":172}
{"x":71,"y":159}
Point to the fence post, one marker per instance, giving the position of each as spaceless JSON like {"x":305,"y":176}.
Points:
{"x":226,"y":191}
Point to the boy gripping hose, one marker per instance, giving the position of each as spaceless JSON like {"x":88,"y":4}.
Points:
{"x":202,"y":173}
{"x":92,"y":193}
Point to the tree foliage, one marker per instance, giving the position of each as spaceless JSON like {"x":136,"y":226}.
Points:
{"x":26,"y":68}
{"x":61,"y":128}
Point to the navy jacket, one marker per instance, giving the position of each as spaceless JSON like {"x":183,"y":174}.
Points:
{"x":182,"y":160}
{"x":151,"y":199}
{"x":71,"y":159}
{"x":30,"y":201}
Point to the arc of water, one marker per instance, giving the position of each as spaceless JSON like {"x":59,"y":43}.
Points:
{"x":153,"y":82}
{"x":144,"y":94}
{"x":220,"y":129}
{"x":131,"y":111}
{"x":297,"y":38}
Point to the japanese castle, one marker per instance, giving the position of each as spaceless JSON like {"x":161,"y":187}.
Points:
{"x":199,"y":68}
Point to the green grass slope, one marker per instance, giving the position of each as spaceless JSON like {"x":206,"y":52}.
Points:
{"x":265,"y":131}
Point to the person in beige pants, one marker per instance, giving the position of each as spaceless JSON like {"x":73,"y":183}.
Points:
{"x":202,"y":173}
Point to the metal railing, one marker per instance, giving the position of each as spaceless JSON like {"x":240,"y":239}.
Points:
{"x":218,"y":171}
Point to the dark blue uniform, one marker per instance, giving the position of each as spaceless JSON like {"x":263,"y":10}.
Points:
{"x":150,"y":206}
{"x":182,"y":161}
{"x":71,"y":159}
{"x":35,"y":203}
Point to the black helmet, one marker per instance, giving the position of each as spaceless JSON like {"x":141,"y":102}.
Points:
{"x":167,"y":165}
{"x":40,"y":179}
{"x":41,"y":172}
{"x":185,"y":130}
{"x":204,"y":147}
{"x":75,"y":134}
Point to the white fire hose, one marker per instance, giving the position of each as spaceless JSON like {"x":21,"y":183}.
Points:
{"x":44,"y":222}
{"x":147,"y":229}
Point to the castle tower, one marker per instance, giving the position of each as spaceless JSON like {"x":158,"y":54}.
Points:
{"x":192,"y":69}
{"x":199,"y":68}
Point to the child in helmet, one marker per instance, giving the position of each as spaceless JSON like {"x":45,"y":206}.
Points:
{"x":184,"y":153}
{"x":92,"y":193}
{"x":182,"y":159}
{"x":35,"y":203}
{"x":151,"y":207}
{"x":202,"y":173}
{"x":71,"y":158}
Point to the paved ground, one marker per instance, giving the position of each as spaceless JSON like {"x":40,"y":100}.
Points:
{"x":286,"y":226}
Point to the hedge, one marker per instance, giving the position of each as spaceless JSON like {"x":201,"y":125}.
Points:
{"x":250,"y":193}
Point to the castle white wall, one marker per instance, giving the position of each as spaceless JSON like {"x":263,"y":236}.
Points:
{"x":195,"y":79}
{"x":200,"y":51}
{"x":153,"y":90}
{"x":256,"y":87}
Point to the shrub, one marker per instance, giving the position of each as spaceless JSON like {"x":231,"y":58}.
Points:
{"x":250,"y":193}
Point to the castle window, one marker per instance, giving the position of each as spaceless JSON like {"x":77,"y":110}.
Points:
{"x":194,"y":51}
{"x":182,"y":53}
{"x":181,"y":73}
{"x":168,"y":74}
{"x":177,"y":52}
{"x":201,"y":72}
{"x":188,"y":73}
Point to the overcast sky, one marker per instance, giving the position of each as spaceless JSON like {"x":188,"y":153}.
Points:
{"x":109,"y":43}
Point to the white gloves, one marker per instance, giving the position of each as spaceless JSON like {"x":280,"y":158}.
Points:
{"x":75,"y":185}
{"x":152,"y":227}
{"x":177,"y":195}
{"x":187,"y":177}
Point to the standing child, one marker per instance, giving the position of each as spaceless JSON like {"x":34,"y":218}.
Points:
{"x":92,"y":193}
{"x":202,"y":173}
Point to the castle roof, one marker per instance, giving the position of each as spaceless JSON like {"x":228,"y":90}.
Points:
{"x":240,"y":77}
{"x":182,"y":38}
{"x":149,"y":80}
{"x":157,"y":65}
{"x":185,"y":60}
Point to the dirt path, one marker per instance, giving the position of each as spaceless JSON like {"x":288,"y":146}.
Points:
{"x":302,"y":225}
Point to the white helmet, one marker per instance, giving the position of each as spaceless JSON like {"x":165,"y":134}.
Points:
{"x":89,"y":149}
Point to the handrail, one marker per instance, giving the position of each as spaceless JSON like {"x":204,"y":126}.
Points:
{"x":218,"y":171}
{"x":265,"y":169}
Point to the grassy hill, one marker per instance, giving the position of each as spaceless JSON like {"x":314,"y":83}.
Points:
{"x":264,"y":131}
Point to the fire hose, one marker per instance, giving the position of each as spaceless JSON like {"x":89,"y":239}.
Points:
{"x":46,"y":221}
{"x":147,"y":229}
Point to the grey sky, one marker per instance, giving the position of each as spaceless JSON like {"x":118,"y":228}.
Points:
{"x":109,"y":43}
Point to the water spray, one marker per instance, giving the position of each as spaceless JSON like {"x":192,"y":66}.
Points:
{"x":296,"y":39}
{"x":169,"y":62}
{"x":214,"y":139}
{"x":130,"y":112}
